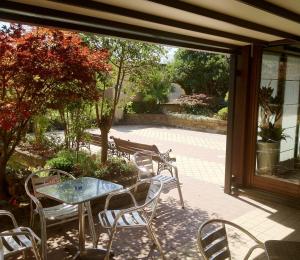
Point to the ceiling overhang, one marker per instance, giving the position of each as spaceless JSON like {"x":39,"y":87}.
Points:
{"x":218,"y":26}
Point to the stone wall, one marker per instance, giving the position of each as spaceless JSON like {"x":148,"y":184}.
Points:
{"x":205,"y":124}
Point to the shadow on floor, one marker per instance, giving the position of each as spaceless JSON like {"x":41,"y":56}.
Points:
{"x":174,"y":227}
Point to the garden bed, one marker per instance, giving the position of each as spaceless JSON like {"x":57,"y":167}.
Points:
{"x":186,"y":121}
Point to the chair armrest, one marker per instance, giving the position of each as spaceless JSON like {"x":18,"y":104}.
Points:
{"x":32,"y":234}
{"x":15,"y":233}
{"x":173,"y":167}
{"x":250,"y":251}
{"x":34,"y":239}
{"x":10,"y":215}
{"x":124,"y":191}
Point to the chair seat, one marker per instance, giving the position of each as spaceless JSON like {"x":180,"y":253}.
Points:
{"x":134,"y":218}
{"x":13,"y":244}
{"x":165,"y":179}
{"x":60,"y":212}
{"x":169,"y":182}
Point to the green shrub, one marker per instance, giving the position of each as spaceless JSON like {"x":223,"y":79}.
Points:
{"x":142,"y":107}
{"x":197,"y":110}
{"x":64,"y":160}
{"x":115,"y":168}
{"x":78,"y":163}
{"x":223,"y":113}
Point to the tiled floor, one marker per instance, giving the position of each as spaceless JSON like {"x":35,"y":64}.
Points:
{"x":200,"y":158}
{"x":177,"y":228}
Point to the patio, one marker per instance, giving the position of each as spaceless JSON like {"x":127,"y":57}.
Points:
{"x":176,"y":228}
{"x":248,"y":31}
{"x":204,"y":199}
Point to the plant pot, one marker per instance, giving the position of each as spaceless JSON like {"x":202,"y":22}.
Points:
{"x":267,"y":157}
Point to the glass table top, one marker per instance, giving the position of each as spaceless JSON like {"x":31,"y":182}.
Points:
{"x":79,"y":190}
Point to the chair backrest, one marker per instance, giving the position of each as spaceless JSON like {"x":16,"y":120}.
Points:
{"x":43,"y":178}
{"x":214,"y":244}
{"x":144,"y":163}
{"x":151,"y":200}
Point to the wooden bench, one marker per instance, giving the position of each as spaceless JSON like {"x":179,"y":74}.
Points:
{"x":126,"y":148}
{"x":95,"y":139}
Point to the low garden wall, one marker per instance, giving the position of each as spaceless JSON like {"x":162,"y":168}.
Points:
{"x":198,"y":123}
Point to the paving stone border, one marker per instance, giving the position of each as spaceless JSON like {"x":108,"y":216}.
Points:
{"x":206,"y":124}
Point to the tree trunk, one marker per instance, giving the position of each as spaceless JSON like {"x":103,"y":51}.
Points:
{"x":104,"y":143}
{"x":64,"y":121}
{"x":3,"y":163}
{"x":37,"y":132}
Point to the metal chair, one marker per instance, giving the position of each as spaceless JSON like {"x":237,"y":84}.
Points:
{"x":137,"y":216}
{"x":214,"y":245}
{"x":144,"y":163}
{"x":58,"y":214}
{"x":17,"y":240}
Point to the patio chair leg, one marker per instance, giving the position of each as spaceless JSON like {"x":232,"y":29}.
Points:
{"x":180,"y":194}
{"x":155,"y":240}
{"x":91,"y":224}
{"x":35,"y":250}
{"x":31,"y":215}
{"x":31,"y":224}
{"x":111,"y":237}
{"x":43,"y":240}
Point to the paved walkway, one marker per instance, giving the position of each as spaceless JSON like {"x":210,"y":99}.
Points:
{"x":199,"y":155}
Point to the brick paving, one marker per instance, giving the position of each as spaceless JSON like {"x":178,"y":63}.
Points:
{"x":199,"y":155}
{"x":200,"y":158}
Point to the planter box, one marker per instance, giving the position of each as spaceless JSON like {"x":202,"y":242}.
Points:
{"x":204,"y":124}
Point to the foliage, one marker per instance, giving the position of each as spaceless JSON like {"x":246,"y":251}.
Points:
{"x":201,"y":72}
{"x":116,"y":168}
{"x":40,"y":125}
{"x":78,"y":163}
{"x":271,"y":106}
{"x":270,"y":113}
{"x":142,"y":107}
{"x":41,"y":68}
{"x":272,"y":133}
{"x":156,"y":85}
{"x":199,"y":104}
{"x":223,"y":113}
{"x":77,"y":117}
{"x":130,"y":60}
{"x":50,"y":145}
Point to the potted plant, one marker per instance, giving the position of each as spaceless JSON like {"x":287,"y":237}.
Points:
{"x":270,"y":130}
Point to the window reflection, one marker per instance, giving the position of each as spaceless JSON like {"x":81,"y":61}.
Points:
{"x":278,"y":146}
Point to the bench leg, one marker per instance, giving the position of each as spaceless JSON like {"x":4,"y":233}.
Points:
{"x":180,"y":194}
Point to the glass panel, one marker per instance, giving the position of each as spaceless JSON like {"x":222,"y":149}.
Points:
{"x":79,"y":190}
{"x":278,"y":148}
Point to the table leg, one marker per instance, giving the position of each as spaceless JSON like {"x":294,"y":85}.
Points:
{"x":89,"y":253}
{"x":81,"y":221}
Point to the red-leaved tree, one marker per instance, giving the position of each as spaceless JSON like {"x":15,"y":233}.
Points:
{"x":41,"y":68}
